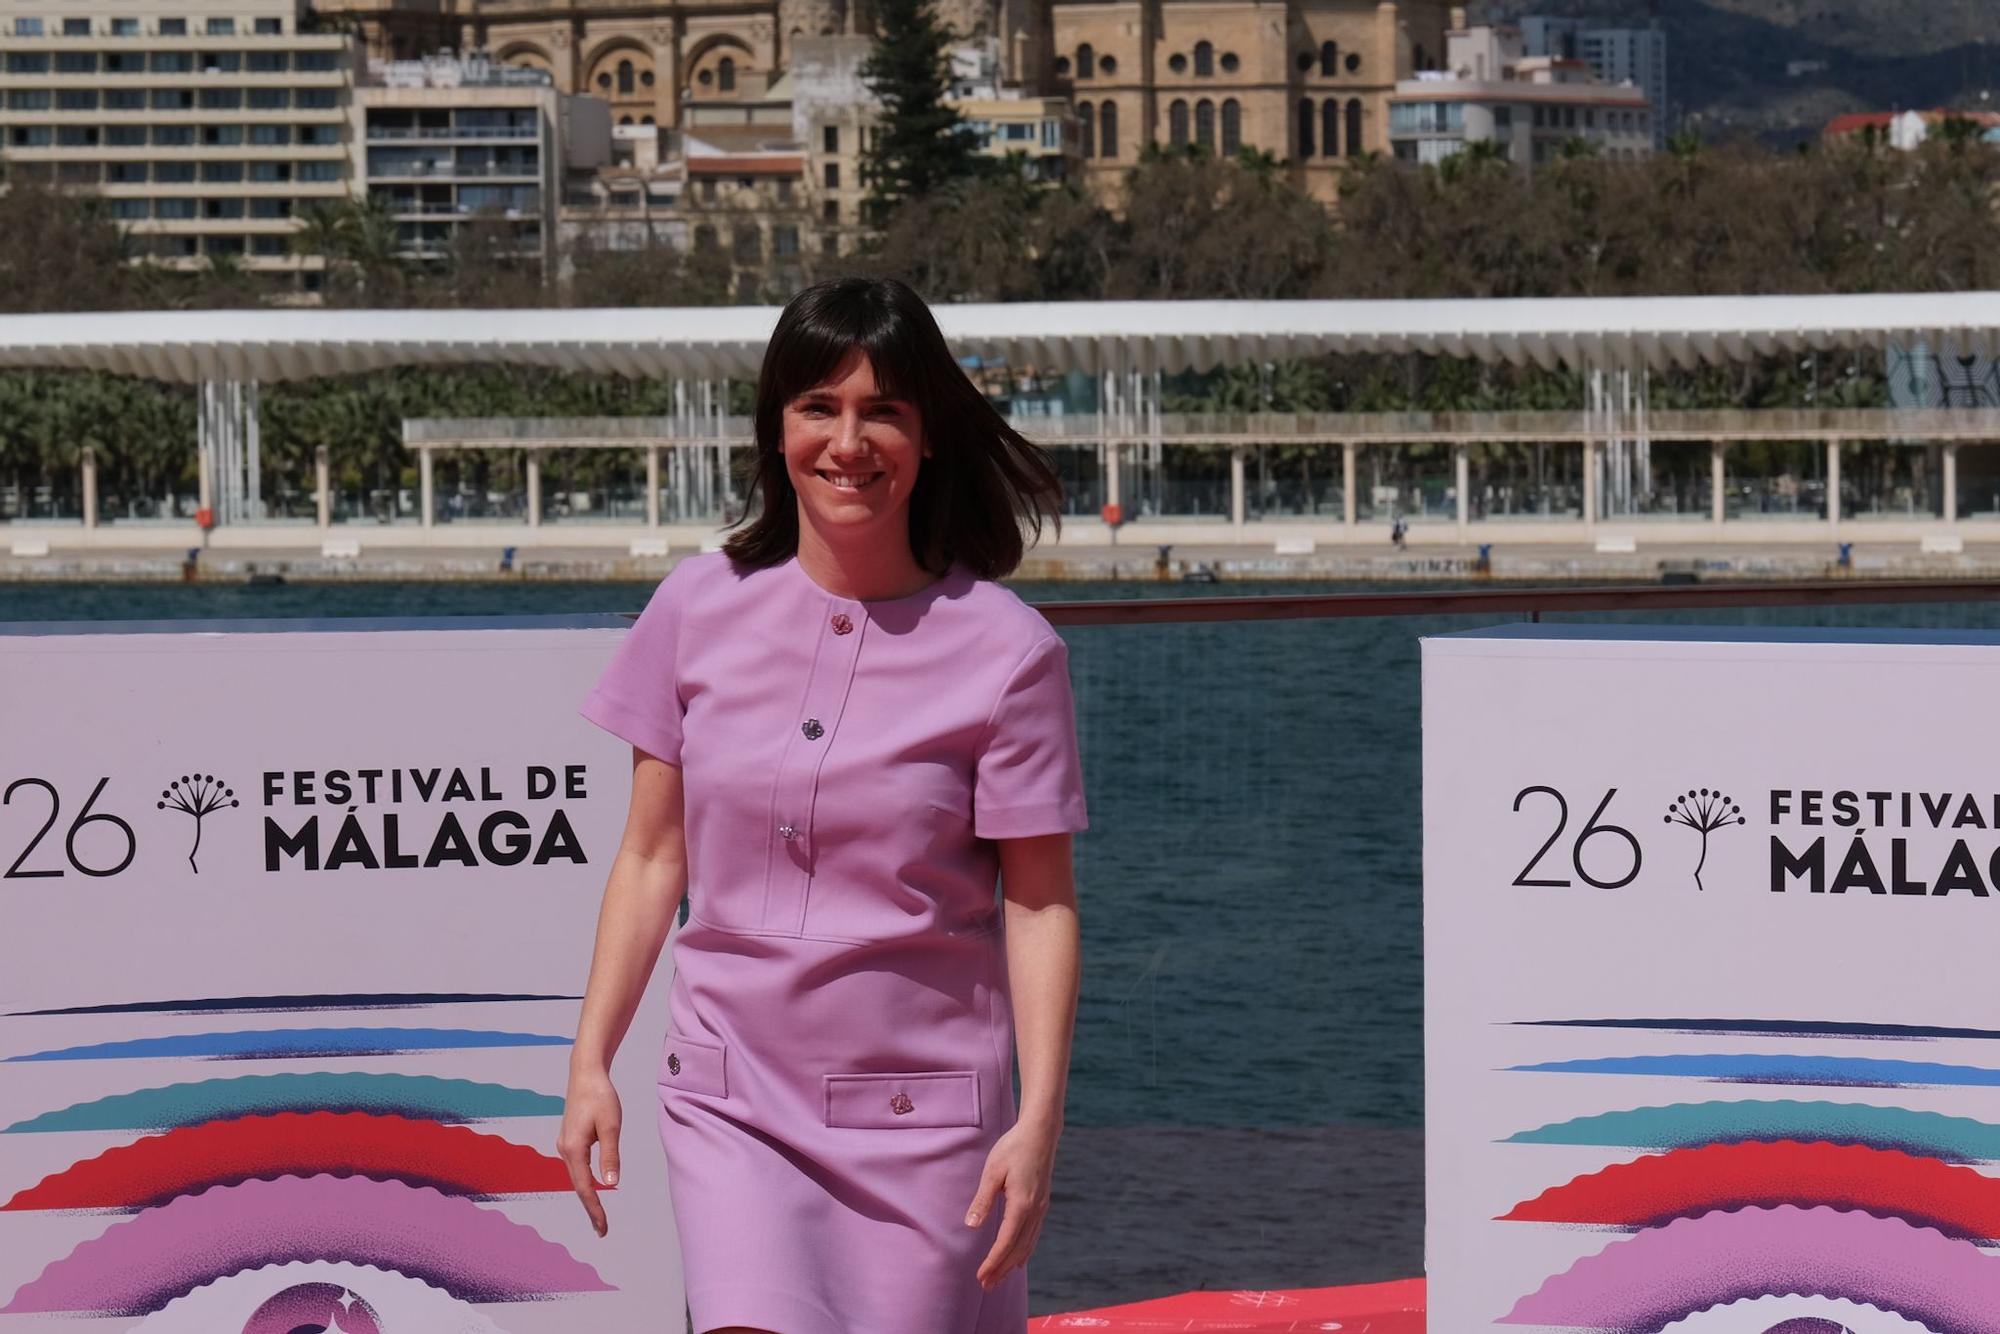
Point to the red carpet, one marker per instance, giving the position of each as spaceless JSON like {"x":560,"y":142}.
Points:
{"x":1379,"y":1308}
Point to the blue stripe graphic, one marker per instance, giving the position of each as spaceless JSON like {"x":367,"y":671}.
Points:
{"x":273,"y":1043}
{"x":1840,"y":1071}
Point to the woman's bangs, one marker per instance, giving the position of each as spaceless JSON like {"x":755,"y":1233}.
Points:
{"x":820,"y":346}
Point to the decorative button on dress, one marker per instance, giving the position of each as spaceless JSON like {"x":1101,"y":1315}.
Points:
{"x":839,"y":1053}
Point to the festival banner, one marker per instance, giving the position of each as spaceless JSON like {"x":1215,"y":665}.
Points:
{"x":297,"y":917}
{"x":1709,"y":927}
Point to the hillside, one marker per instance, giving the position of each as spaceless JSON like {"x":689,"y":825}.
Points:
{"x":1780,"y":69}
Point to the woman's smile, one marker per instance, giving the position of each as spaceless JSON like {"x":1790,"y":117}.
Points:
{"x":850,"y":482}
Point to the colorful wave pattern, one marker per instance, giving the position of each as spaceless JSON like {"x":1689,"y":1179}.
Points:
{"x":301,"y":1197}
{"x":1767,"y":1213}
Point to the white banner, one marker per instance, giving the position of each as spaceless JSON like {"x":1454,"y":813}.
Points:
{"x":296,"y":924}
{"x":1709,"y":928}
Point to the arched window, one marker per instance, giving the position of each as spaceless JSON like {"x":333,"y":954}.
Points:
{"x":625,"y":77}
{"x":1107,"y":130}
{"x":1204,"y":59}
{"x":1177,"y":123}
{"x":1305,"y":127}
{"x":1329,"y":127}
{"x":725,"y":75}
{"x":1086,"y":130}
{"x":1329,"y":57}
{"x":1232,"y":127}
{"x":1086,"y":62}
{"x":624,"y":120}
{"x":1204,"y":124}
{"x":1354,"y":127}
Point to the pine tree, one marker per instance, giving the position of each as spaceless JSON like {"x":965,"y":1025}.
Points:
{"x":920,"y":145}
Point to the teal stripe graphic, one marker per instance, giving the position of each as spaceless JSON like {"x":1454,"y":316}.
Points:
{"x":420,"y":1097}
{"x":1956,"y":1139}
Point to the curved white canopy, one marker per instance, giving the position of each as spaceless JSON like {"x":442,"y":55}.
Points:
{"x":695,"y":343}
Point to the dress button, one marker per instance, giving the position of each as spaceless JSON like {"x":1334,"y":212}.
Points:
{"x":673,"y":1063}
{"x":841,"y":625}
{"x":901,"y":1103}
{"x":812,"y":729}
{"x":788,"y":831}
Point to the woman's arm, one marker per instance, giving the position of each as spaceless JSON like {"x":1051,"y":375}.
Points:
{"x":1044,"y":957}
{"x":1044,"y":965}
{"x":642,"y":892}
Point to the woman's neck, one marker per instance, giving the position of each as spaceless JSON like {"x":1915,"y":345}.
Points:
{"x":865,"y":573}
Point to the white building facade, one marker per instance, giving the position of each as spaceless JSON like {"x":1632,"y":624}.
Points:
{"x":1616,"y":55}
{"x":446,"y":142}
{"x":208,"y":125}
{"x":1530,"y":108}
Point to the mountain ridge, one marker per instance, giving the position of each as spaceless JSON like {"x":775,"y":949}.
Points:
{"x":1779,"y":70}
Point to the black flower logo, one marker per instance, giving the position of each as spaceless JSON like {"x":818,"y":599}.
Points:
{"x":197,"y":795}
{"x":1704,"y":810}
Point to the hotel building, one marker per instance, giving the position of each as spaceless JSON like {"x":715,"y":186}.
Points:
{"x":208,"y":125}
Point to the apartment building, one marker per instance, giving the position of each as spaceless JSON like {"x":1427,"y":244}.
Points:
{"x":1529,"y":107}
{"x":451,"y":142}
{"x":1616,"y":55}
{"x":208,"y":125}
{"x":1040,"y":132}
{"x":833,"y":115}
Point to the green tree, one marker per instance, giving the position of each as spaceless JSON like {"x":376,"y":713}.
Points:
{"x":77,"y":259}
{"x":920,"y":145}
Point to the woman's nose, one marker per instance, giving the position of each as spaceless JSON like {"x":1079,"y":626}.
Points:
{"x":846,"y":442}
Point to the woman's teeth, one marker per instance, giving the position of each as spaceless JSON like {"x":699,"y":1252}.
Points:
{"x":851,"y":481}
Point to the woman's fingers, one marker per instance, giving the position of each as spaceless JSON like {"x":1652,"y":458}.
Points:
{"x":575,"y":1150}
{"x":607,"y":1152}
{"x":1023,"y":1244}
{"x":1020,"y":1225}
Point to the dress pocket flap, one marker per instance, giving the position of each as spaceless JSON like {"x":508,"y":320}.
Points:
{"x":693,"y":1064}
{"x":903,"y":1101}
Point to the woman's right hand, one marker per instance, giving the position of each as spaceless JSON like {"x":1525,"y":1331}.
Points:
{"x":591,"y":1115}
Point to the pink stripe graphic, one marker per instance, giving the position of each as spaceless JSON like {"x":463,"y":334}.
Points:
{"x":1695,"y":1263}
{"x":475,"y":1254}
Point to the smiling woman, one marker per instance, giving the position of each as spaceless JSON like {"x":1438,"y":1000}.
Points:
{"x":859,"y":387}
{"x":845,"y":731}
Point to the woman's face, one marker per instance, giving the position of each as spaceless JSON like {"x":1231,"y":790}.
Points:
{"x":852,"y":452}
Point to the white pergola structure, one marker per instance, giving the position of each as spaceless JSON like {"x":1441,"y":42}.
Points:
{"x":1615,"y":342}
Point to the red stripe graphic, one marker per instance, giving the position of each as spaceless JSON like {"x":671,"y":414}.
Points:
{"x":454,"y":1159}
{"x":1885,"y":1182}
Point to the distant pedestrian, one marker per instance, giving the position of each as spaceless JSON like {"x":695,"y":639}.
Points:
{"x":1397,"y":530}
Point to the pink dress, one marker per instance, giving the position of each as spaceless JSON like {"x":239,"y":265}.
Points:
{"x":839,"y":1054}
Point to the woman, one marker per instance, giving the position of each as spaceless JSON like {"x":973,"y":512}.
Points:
{"x":843,"y":729}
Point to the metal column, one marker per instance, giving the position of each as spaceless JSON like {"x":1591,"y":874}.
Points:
{"x":229,"y":449}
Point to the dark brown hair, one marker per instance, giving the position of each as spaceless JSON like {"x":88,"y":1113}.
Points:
{"x":983,"y":477}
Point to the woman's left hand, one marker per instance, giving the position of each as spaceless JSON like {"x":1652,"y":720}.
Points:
{"x":1019,"y":1166}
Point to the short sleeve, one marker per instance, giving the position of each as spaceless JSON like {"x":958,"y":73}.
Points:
{"x":1028,"y":777}
{"x":637,"y":697}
